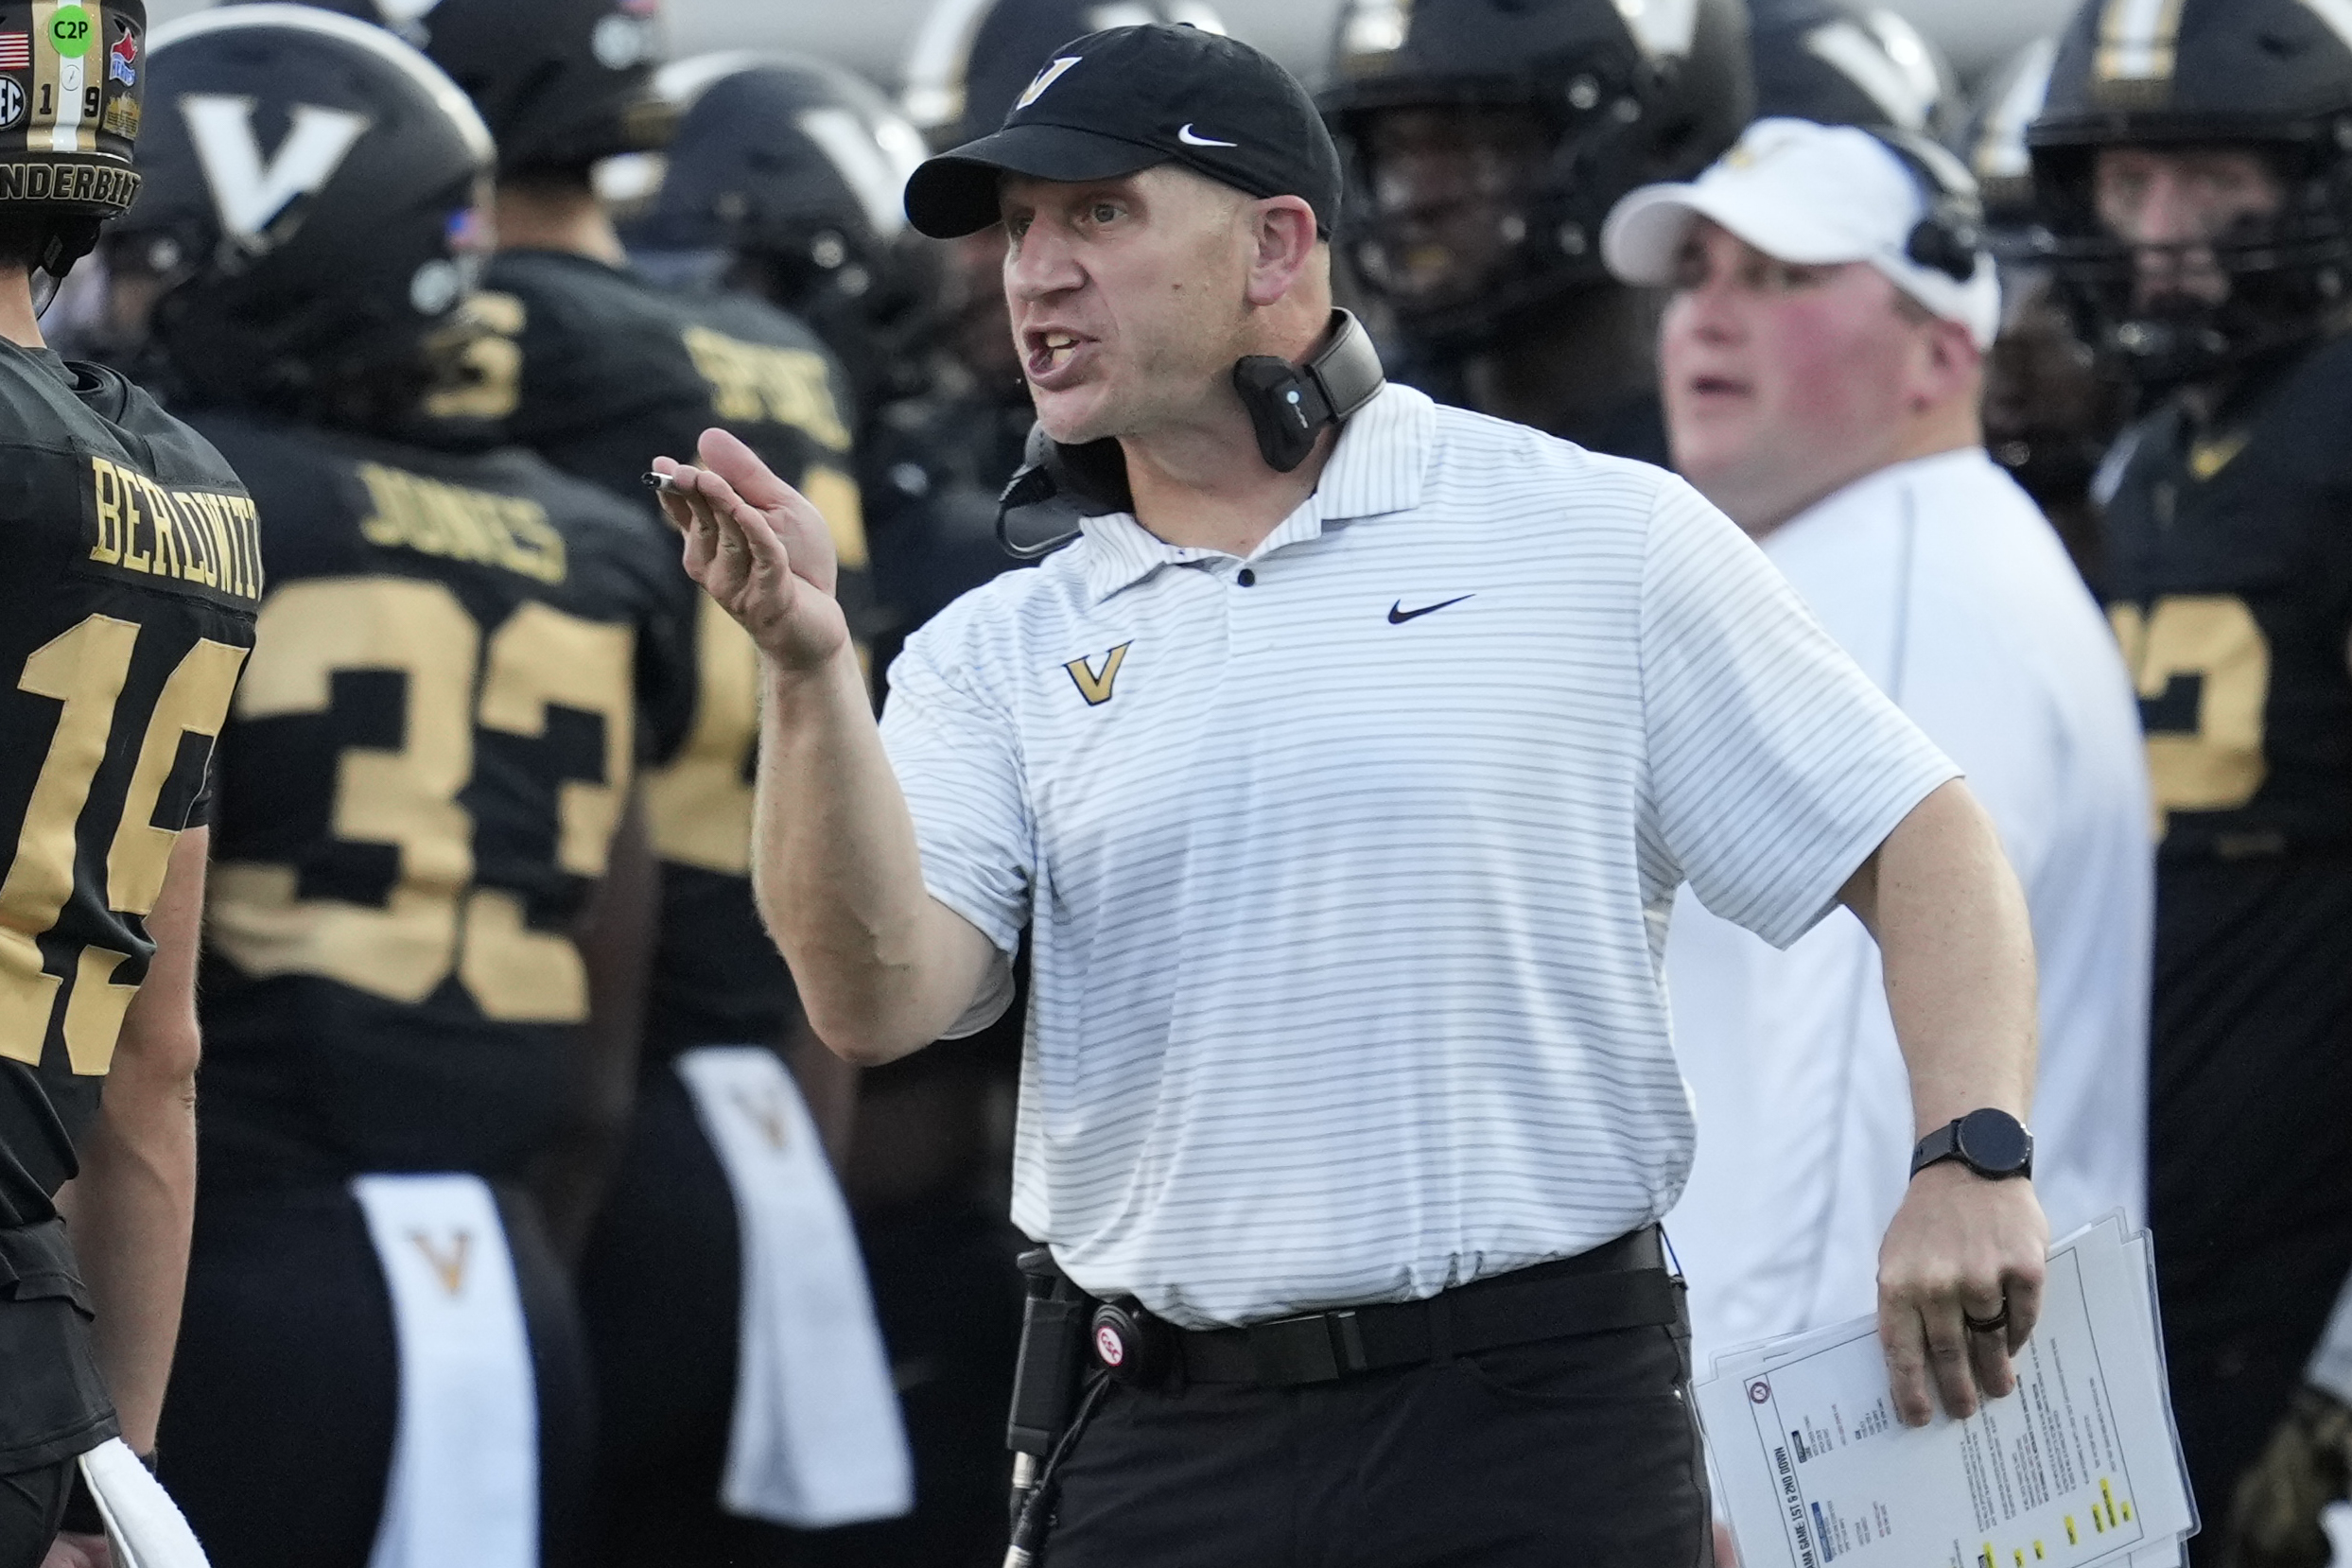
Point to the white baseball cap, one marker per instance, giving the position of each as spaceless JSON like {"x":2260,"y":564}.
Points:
{"x":1815,"y":195}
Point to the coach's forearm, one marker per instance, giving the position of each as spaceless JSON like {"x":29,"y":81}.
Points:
{"x":881,"y":967}
{"x":1958,"y":946}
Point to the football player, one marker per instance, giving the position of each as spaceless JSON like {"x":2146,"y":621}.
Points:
{"x":420,"y":786}
{"x":612,"y":369}
{"x":1485,"y":141}
{"x":2049,"y":417}
{"x":2194,"y":166}
{"x":785,"y":179}
{"x":134,"y":571}
{"x":1842,"y":64}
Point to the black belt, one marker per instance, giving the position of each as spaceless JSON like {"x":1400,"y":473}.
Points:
{"x":1620,"y":1285}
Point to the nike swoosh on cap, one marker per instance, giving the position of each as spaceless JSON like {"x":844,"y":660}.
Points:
{"x":1190,"y":138}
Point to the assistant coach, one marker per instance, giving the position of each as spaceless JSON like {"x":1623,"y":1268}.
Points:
{"x":1345,"y":805}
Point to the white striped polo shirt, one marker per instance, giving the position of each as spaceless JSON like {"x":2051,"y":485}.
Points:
{"x":1349,"y":865}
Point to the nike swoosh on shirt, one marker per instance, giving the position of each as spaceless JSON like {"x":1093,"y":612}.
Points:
{"x":1399,"y":614}
{"x":1189,"y":138}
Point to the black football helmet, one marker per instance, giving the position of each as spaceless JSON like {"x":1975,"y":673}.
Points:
{"x":1991,"y":142}
{"x":314,"y":214}
{"x":78,"y":79}
{"x":563,"y":83}
{"x":972,"y":57}
{"x":1842,"y":64}
{"x":1584,"y":99}
{"x":789,"y":174}
{"x":2270,"y":75}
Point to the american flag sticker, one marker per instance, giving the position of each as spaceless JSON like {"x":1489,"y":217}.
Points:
{"x":16,"y":51}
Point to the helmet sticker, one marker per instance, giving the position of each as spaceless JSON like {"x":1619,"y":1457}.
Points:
{"x":11,"y":103}
{"x":70,"y":31}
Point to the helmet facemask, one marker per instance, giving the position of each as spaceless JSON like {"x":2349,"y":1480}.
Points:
{"x":1473,"y":208}
{"x":2163,"y":314}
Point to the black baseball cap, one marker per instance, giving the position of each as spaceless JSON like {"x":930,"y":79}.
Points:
{"x":1116,"y":103}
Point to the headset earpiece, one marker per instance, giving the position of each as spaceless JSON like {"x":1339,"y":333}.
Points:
{"x":1950,"y":238}
{"x":1289,"y":405}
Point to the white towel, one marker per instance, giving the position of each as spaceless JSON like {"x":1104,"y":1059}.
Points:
{"x":142,"y":1525}
{"x":464,"y":1484}
{"x":816,"y":1439}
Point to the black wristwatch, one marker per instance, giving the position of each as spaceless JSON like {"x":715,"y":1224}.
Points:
{"x":1992,"y":1144}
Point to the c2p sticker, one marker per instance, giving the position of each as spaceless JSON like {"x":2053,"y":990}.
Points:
{"x":70,"y":31}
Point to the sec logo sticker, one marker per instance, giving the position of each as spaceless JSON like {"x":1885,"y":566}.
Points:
{"x":12,"y":102}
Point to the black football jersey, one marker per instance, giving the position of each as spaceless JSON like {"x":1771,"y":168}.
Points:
{"x":934,"y":466}
{"x":2229,"y":582}
{"x":613,"y":372}
{"x":462,"y":656}
{"x":2228,"y":578}
{"x":126,"y":618}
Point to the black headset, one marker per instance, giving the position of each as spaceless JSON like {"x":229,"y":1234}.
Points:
{"x":1950,"y":238}
{"x":1289,"y":407}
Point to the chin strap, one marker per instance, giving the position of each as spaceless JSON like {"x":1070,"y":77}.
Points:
{"x":1289,"y":406}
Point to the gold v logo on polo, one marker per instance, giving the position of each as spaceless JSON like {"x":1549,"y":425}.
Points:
{"x":2215,"y":453}
{"x":1046,"y":79}
{"x":450,"y":1265}
{"x":1093,"y":687}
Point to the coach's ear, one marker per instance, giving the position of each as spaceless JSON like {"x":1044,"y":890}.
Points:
{"x":1282,"y":234}
{"x":1947,"y":364}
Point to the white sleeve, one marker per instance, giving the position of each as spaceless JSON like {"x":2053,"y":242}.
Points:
{"x":1776,"y":765}
{"x":957,"y":758}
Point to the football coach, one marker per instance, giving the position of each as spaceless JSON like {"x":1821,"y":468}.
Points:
{"x":1345,"y":803}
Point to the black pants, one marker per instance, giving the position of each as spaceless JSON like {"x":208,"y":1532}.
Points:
{"x":660,"y":1289}
{"x":660,"y":1294}
{"x":1580,"y":1451}
{"x":2249,"y":1195}
{"x":285,"y":1394}
{"x":31,"y":1502}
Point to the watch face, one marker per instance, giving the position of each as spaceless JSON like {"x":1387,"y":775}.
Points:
{"x":1994,"y":1142}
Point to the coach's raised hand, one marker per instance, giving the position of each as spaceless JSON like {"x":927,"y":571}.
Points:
{"x":760,"y":548}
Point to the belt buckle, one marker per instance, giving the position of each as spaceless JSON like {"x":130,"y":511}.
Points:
{"x":1316,"y":1346}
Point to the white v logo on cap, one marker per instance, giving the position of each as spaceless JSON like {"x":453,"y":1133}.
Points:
{"x":1046,"y":79}
{"x":249,"y":193}
{"x":1186,"y":136}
